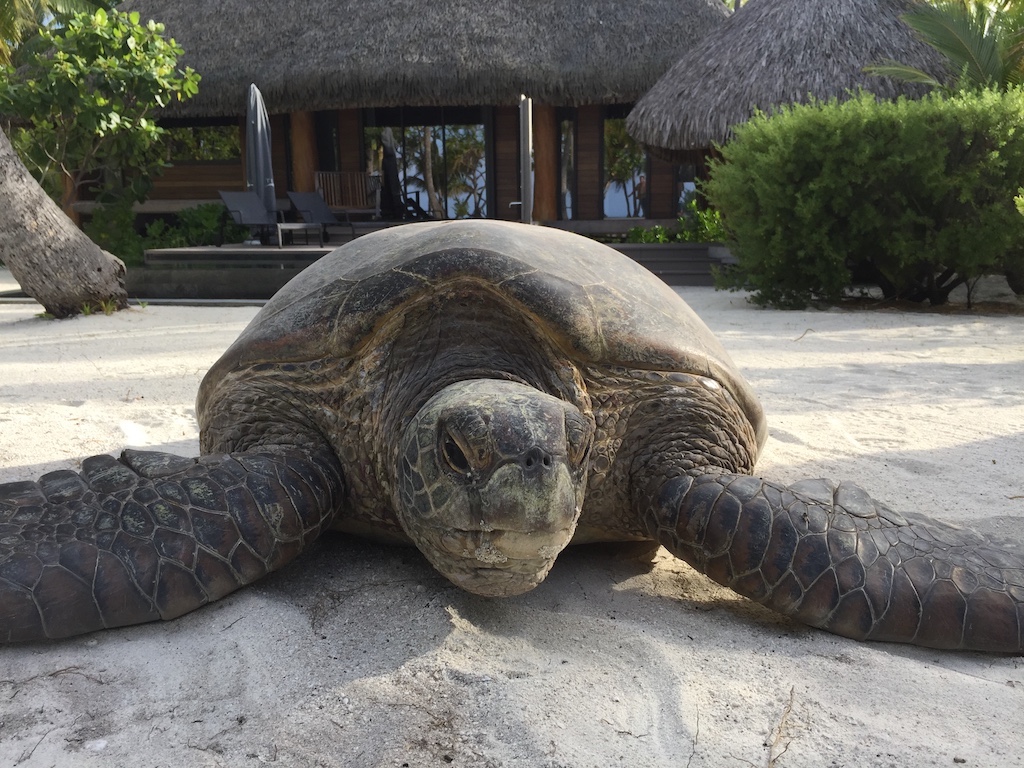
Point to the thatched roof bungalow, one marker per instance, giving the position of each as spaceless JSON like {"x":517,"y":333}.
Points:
{"x":774,"y":52}
{"x":352,"y":65}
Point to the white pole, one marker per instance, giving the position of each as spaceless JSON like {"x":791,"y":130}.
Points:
{"x":526,"y":158}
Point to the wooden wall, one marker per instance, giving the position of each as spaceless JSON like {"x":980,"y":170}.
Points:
{"x":279,"y":154}
{"x":661,"y":186}
{"x":589,"y":151}
{"x":198,"y":181}
{"x":350,"y":136}
{"x":506,"y":164}
{"x":305,"y":160}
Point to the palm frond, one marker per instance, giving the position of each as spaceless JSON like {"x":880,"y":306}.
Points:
{"x":961,"y":32}
{"x":15,"y":16}
{"x":896,"y":71}
{"x":68,"y":6}
{"x":20,"y":19}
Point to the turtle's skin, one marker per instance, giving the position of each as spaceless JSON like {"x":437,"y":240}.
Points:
{"x":489,"y":392}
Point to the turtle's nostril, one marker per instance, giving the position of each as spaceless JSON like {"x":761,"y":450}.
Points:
{"x":536,"y":459}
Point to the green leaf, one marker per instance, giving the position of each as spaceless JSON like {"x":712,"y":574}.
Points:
{"x":88,"y":98}
{"x":895,"y":71}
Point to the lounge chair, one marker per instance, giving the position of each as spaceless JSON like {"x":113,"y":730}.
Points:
{"x":313,"y":209}
{"x":247,"y":209}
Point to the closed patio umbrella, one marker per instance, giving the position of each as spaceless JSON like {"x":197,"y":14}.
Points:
{"x":259,"y":167}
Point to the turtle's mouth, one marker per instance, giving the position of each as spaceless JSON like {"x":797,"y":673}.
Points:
{"x":497,"y":563}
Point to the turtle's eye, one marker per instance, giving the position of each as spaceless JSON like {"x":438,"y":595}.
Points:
{"x":453,"y":454}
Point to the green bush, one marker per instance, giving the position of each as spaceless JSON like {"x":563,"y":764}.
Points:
{"x":113,"y":228}
{"x":655,"y":234}
{"x":696,"y":225}
{"x":914,"y":196}
{"x":700,"y":225}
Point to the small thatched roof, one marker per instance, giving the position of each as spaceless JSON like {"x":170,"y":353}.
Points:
{"x":328,"y":55}
{"x":774,"y":52}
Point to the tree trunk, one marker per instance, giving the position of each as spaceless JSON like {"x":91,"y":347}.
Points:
{"x":52,"y":260}
{"x":433,"y":201}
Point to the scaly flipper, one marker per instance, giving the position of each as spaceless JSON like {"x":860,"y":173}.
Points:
{"x":152,"y":535}
{"x":832,"y":557}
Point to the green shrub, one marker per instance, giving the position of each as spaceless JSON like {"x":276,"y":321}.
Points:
{"x":915,"y":196}
{"x":696,"y":225}
{"x":113,"y":228}
{"x":701,"y":225}
{"x":655,"y":234}
{"x":202,"y":225}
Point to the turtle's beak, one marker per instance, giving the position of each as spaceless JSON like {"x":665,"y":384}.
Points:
{"x":526,"y":518}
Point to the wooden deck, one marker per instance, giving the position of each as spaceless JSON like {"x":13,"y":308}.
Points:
{"x":240,"y":271}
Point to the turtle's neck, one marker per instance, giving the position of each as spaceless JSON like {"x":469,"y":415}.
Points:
{"x":468,"y":333}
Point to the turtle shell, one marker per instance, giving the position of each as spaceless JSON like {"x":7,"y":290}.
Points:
{"x":597,"y":305}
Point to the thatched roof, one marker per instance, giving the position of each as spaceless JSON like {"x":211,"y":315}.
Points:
{"x":327,"y":55}
{"x":773,"y":52}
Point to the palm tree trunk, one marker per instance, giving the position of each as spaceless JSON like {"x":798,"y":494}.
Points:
{"x":433,"y":201}
{"x":52,"y":260}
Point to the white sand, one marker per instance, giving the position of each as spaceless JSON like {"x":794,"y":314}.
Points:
{"x":359,"y":655}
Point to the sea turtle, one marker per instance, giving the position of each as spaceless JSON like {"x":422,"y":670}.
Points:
{"x":491,"y":393}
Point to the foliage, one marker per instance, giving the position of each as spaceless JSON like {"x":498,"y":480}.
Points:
{"x":982,"y":41}
{"x":456,"y":156}
{"x":465,"y":155}
{"x":701,"y":224}
{"x":915,"y":196}
{"x":87,"y":97}
{"x":202,"y":143}
{"x":112,"y":227}
{"x":17,"y":17}
{"x":624,"y":164}
{"x":696,"y":225}
{"x":20,"y":19}
{"x":655,"y":234}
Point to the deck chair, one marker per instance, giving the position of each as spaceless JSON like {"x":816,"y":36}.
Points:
{"x":247,"y":209}
{"x":313,"y":209}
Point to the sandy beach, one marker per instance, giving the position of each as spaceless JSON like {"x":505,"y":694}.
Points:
{"x":361,"y":655}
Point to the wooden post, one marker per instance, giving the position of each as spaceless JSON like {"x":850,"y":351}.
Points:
{"x":545,"y":162}
{"x":305,"y":161}
{"x":506,"y":164}
{"x":589,"y":204}
{"x":661,"y":183}
{"x":350,"y":139}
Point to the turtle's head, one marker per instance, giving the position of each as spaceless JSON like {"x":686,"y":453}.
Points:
{"x":490,"y":483}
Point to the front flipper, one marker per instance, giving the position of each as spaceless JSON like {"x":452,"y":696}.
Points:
{"x":832,"y":557}
{"x":152,"y":536}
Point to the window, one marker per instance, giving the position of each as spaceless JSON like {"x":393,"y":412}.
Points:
{"x":625,"y":170}
{"x":567,"y":167}
{"x":218,"y":143}
{"x":441,"y":157}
